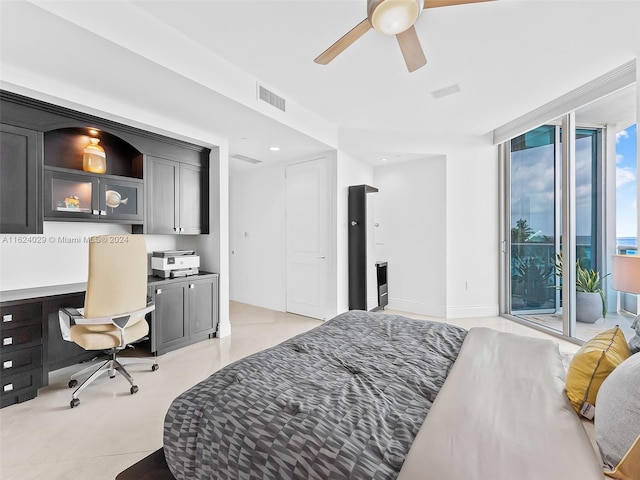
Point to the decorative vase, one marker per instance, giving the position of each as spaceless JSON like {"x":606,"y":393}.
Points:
{"x":588,"y":307}
{"x":94,"y":159}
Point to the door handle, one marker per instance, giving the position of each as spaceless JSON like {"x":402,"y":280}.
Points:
{"x":321,"y":257}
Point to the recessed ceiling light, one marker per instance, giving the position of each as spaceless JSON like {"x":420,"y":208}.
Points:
{"x":274,"y":149}
{"x":383,"y":159}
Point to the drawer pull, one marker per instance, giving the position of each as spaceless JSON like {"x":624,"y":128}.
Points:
{"x":191,"y":285}
{"x":8,"y":387}
{"x":7,"y":364}
{"x":7,"y":341}
{"x":158,"y":291}
{"x":7,"y":318}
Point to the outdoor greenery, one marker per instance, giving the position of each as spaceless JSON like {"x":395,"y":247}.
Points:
{"x":587,"y":280}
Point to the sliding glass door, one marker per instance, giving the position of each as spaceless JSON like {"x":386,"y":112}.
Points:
{"x":535,"y":205}
{"x":534,"y":233}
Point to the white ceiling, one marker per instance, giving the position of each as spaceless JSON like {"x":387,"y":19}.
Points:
{"x":508,"y":57}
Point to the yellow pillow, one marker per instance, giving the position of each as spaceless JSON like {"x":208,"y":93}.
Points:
{"x":595,"y":360}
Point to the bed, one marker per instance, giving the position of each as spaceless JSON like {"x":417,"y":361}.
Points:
{"x":377,"y":396}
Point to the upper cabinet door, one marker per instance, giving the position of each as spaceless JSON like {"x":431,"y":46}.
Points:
{"x":174,"y":197}
{"x":190,"y":199}
{"x":162,"y":180}
{"x":20,"y":170}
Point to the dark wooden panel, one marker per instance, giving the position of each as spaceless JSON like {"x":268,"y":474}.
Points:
{"x":162,"y":195}
{"x":357,"y":245}
{"x":65,"y":147}
{"x":34,"y":114}
{"x":20,"y":387}
{"x":21,"y":360}
{"x":152,"y":467}
{"x":20,"y":170}
{"x":170,"y":318}
{"x":190,"y":199}
{"x":20,"y":313}
{"x":201,"y":305}
{"x":61,"y":353}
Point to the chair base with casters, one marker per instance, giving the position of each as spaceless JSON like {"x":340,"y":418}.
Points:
{"x":112,"y":336}
{"x":113,"y":365}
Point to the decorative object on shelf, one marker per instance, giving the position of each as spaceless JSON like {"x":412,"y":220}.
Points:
{"x":94,"y":158}
{"x":72,"y":201}
{"x":114,"y":199}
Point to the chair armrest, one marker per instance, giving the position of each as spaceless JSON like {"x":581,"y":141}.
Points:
{"x":67,"y":317}
{"x":121,"y":320}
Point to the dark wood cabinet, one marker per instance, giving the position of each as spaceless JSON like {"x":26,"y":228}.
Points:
{"x":186,"y":311}
{"x":21,"y":351}
{"x":32,"y":344}
{"x":175,"y":199}
{"x":59,"y":352}
{"x":79,"y":196}
{"x":36,"y":135}
{"x":20,"y":171}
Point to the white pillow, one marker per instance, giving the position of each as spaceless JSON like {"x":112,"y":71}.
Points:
{"x":617,"y":421}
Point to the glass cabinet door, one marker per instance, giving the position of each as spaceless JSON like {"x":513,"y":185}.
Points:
{"x":70,"y":195}
{"x":121,"y":199}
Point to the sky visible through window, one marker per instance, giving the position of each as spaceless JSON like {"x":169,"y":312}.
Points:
{"x":626,"y":183}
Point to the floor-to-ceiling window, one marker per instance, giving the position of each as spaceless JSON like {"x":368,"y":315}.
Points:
{"x":534,"y":166}
{"x":535,"y":217}
{"x":565,"y":183}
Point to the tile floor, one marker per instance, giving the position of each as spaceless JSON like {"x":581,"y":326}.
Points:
{"x":111,"y":429}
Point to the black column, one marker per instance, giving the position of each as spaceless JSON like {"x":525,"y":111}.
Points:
{"x":357,"y":225}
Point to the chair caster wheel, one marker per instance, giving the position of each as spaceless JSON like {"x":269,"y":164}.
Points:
{"x":134,"y":389}
{"x":154,"y":367}
{"x":73,"y":383}
{"x":75,"y":402}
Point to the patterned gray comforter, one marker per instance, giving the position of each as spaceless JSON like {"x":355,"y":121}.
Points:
{"x":344,"y":400}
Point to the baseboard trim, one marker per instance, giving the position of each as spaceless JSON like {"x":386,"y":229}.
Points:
{"x":443,"y":311}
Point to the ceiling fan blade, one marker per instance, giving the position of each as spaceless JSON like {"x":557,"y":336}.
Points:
{"x":411,"y":49}
{"x":341,"y":45}
{"x":448,"y":3}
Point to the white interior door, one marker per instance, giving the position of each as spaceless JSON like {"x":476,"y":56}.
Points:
{"x":308,"y":203}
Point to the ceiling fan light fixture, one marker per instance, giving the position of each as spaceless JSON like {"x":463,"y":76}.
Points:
{"x":391,"y":17}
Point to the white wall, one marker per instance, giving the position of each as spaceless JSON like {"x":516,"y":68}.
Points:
{"x":410,"y":209}
{"x":472,"y":212}
{"x":258,"y":237}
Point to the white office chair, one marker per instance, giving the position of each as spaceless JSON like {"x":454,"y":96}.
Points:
{"x":114,"y":308}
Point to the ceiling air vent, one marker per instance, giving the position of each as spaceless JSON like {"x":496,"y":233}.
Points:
{"x":443,"y":92}
{"x":271,"y":98}
{"x":244,"y":158}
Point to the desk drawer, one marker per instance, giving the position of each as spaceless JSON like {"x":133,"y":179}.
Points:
{"x":20,"y":387}
{"x":21,"y":337}
{"x":17,"y":315}
{"x":20,"y":360}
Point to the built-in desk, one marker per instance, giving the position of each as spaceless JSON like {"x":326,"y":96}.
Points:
{"x":32,"y":344}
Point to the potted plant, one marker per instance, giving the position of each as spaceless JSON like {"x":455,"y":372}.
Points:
{"x":590,"y":298}
{"x":533,"y":275}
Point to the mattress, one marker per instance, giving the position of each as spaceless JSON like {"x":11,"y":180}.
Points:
{"x":344,"y":400}
{"x":503,"y":414}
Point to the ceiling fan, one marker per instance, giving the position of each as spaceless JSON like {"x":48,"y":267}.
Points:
{"x":392,"y":17}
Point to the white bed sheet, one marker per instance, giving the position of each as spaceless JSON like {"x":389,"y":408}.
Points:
{"x":502,"y":414}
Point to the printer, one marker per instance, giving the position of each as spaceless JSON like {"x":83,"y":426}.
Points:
{"x":174,"y":263}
